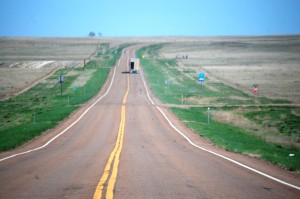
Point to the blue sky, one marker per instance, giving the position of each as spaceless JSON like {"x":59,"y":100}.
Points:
{"x":68,"y":18}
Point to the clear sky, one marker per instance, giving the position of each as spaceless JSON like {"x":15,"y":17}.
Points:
{"x":67,"y":18}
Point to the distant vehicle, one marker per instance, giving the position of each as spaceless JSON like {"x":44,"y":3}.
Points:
{"x":134,"y":65}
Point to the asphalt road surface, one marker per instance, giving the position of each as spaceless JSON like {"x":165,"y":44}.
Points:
{"x":124,"y":147}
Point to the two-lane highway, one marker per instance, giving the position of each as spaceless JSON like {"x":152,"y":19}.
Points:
{"x":123,"y":147}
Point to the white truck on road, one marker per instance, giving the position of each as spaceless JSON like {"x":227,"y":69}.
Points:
{"x":134,"y":65}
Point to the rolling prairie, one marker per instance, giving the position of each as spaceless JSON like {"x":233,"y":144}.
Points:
{"x":25,"y":61}
{"x":272,"y":63}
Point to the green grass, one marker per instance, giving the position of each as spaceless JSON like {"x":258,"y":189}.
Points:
{"x":47,"y":104}
{"x":169,"y":84}
{"x":237,"y":140}
{"x":50,"y":107}
{"x":188,"y":71}
{"x":285,"y":119}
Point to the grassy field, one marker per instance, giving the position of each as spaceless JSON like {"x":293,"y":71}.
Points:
{"x":44,"y":49}
{"x":270,"y":62}
{"x":237,"y":123}
{"x":32,"y":59}
{"x":43,"y":106}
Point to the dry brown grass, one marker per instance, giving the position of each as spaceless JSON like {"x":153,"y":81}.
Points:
{"x":25,"y":61}
{"x":83,"y":78}
{"x":37,"y":49}
{"x":271,"y":62}
{"x":201,"y":100}
{"x":231,"y":117}
{"x":20,"y":76}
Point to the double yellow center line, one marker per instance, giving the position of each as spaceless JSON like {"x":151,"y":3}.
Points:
{"x":114,"y":157}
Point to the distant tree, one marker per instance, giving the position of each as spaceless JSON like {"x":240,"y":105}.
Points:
{"x":92,"y":34}
{"x":99,"y":34}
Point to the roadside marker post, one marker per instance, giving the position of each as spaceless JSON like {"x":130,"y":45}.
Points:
{"x":167,"y":82}
{"x":208,"y":111}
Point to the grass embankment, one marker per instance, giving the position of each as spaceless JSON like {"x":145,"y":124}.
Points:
{"x":237,"y":139}
{"x":171,"y":85}
{"x":42,"y":107}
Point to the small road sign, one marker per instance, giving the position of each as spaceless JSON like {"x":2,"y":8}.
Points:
{"x":201,"y":77}
{"x":61,"y":79}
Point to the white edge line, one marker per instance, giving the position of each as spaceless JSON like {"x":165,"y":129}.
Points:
{"x":214,"y":153}
{"x":66,"y":129}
